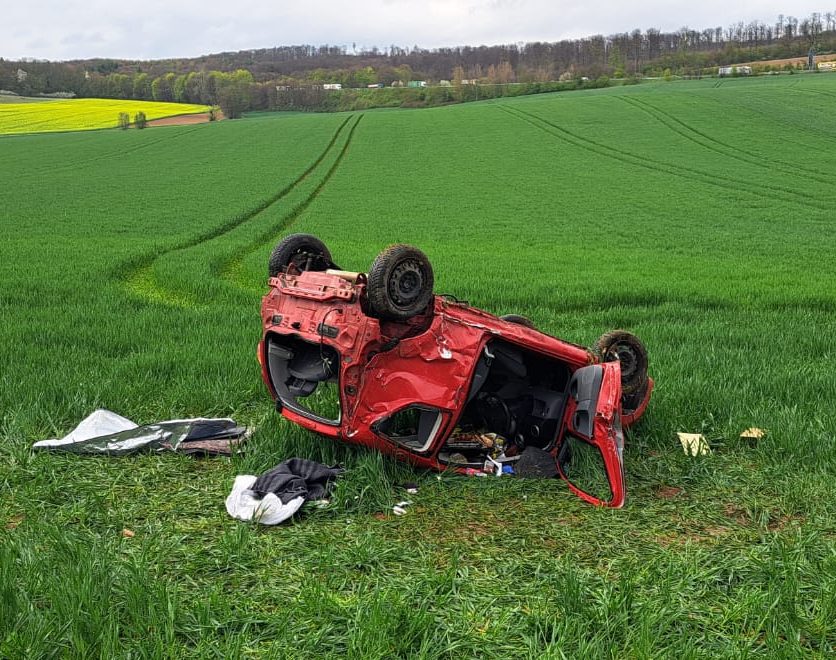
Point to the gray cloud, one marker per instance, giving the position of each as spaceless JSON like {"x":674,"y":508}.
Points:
{"x":52,"y":29}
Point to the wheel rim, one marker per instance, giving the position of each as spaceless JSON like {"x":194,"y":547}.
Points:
{"x":302,"y":259}
{"x":406,"y":283}
{"x":628,"y":359}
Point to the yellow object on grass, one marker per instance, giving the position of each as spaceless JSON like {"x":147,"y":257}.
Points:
{"x":83,"y":114}
{"x":694,"y":444}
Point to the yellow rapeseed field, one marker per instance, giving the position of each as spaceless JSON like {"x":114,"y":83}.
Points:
{"x":82,"y":114}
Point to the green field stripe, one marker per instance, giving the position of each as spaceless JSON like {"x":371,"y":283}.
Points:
{"x":607,"y":152}
{"x":777,"y":189}
{"x":710,"y":143}
{"x":230,"y":267}
{"x":820,"y":92}
{"x":138,"y":276}
{"x":716,"y":180}
{"x":171,"y":135}
{"x":793,"y":124}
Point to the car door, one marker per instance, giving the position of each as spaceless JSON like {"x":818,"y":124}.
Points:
{"x":591,"y":453}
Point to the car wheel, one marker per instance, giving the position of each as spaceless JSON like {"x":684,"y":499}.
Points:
{"x":400,"y":283}
{"x":302,"y":252}
{"x":519,"y":320}
{"x":627,"y":349}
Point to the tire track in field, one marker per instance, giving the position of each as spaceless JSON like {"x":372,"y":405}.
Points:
{"x":112,"y":154}
{"x":738,"y":186}
{"x":820,"y":92}
{"x":794,"y":126}
{"x":816,"y":92}
{"x":229,"y":267}
{"x":138,"y":276}
{"x":696,"y":136}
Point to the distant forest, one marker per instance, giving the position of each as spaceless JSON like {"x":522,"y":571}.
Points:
{"x":292,"y":76}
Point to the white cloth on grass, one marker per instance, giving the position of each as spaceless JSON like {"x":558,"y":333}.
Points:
{"x":96,"y":424}
{"x":106,"y":433}
{"x":246,"y":504}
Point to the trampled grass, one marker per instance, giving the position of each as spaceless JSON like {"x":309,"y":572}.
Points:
{"x":698,"y":216}
{"x":82,"y":114}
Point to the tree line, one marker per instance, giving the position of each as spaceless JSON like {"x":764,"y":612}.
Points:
{"x":266,"y":78}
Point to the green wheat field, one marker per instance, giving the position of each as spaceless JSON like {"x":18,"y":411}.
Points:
{"x":699,"y":215}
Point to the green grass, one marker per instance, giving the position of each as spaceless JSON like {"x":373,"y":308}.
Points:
{"x":695,"y":214}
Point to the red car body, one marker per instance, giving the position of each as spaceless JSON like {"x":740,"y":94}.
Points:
{"x":407,"y":388}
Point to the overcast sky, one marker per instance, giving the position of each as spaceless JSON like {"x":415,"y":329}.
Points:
{"x":153,"y":29}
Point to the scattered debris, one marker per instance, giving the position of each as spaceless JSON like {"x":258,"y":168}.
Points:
{"x":753,"y":434}
{"x":128,"y":534}
{"x":411,"y":488}
{"x":277,"y":494}
{"x":400,"y":508}
{"x":536,"y":463}
{"x":694,"y":444}
{"x":105,"y":432}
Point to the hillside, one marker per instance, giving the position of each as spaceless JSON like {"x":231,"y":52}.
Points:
{"x":697,"y":214}
{"x":629,"y":54}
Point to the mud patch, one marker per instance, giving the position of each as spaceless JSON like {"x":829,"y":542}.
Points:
{"x":668,"y":492}
{"x":779,"y":523}
{"x":736,"y":513}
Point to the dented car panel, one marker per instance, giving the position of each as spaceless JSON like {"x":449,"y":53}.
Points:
{"x":419,"y":388}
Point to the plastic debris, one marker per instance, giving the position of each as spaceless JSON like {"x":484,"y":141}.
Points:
{"x":105,"y":432}
{"x":694,"y":444}
{"x":400,"y":508}
{"x":753,"y":433}
{"x":493,"y":467}
{"x":536,"y":463}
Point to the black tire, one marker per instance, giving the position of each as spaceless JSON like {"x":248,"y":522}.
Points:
{"x":627,"y":349}
{"x":400,"y":283}
{"x":302,"y":251}
{"x":519,"y":320}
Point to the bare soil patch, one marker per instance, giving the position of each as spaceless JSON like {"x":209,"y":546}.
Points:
{"x":185,"y":120}
{"x":667,"y":492}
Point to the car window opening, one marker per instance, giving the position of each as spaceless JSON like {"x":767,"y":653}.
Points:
{"x":413,"y":428}
{"x":306,"y":377}
{"x":517,"y":399}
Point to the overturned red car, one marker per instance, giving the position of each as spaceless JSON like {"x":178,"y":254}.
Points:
{"x":377,"y":359}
